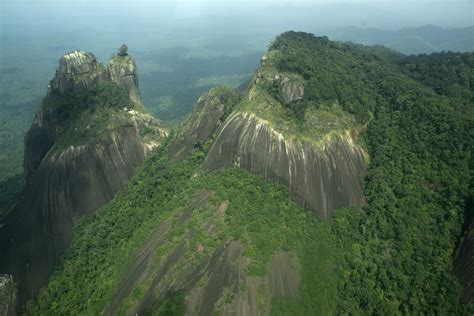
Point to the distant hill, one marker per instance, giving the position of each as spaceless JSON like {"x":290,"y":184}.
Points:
{"x":411,"y":40}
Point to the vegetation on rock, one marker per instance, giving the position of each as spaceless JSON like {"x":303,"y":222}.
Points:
{"x":393,"y":257}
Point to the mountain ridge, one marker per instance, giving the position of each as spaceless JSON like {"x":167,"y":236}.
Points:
{"x":89,"y":135}
{"x":183,"y":239}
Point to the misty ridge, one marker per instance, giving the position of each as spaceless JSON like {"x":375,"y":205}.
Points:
{"x":198,"y":43}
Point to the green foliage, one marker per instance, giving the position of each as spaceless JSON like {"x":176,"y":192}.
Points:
{"x":104,"y":241}
{"x":87,"y":116}
{"x":15,"y":118}
{"x":449,"y":74}
{"x":259,"y":214}
{"x":333,"y":72}
{"x":393,"y":257}
{"x":105,"y":94}
{"x":418,"y":179}
{"x":172,"y":305}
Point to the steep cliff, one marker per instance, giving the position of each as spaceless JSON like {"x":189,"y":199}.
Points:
{"x":213,"y":223}
{"x":322,"y":166}
{"x":87,"y":138}
{"x":123,"y":71}
{"x":317,"y":157}
{"x":77,"y":71}
{"x":464,"y":263}
{"x":321,"y":178}
{"x":211,"y":110}
{"x":7,"y":295}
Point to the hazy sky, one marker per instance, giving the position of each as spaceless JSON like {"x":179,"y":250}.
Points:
{"x":390,"y":14}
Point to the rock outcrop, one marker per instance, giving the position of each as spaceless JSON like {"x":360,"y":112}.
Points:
{"x":39,"y":139}
{"x":77,"y":71}
{"x":7,"y":295}
{"x":65,"y":186}
{"x":70,"y":181}
{"x":123,"y":71}
{"x":211,"y":109}
{"x":321,"y":178}
{"x":464,"y":263}
{"x":217,"y":283}
{"x":292,"y":90}
{"x":123,"y":50}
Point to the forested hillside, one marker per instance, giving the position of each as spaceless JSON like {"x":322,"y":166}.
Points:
{"x":183,"y":238}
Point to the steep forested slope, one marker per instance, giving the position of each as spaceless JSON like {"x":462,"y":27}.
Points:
{"x":191,"y":235}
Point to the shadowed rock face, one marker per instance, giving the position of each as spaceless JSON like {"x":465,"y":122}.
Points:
{"x":464,"y":265}
{"x":208,"y":114}
{"x":123,"y":50}
{"x":123,"y":71}
{"x":64,"y":185}
{"x":320,"y":178}
{"x":39,"y":139}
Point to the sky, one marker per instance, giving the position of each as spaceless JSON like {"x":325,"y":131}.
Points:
{"x":387,"y":14}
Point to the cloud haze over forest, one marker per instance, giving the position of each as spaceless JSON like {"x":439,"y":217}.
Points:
{"x":25,"y":14}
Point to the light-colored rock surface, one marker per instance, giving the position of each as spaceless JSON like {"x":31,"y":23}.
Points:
{"x":292,"y":90}
{"x":77,"y":71}
{"x":7,"y":296}
{"x":123,"y":71}
{"x":321,"y":178}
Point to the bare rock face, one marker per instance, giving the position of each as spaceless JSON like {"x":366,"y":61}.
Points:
{"x":211,"y":109}
{"x":123,"y":50}
{"x":217,"y":283}
{"x":123,"y":71}
{"x":464,"y":265}
{"x":65,"y":186}
{"x":39,"y":139}
{"x":77,"y":71}
{"x":68,"y":182}
{"x":322,"y":178}
{"x":7,"y":295}
{"x":291,"y":90}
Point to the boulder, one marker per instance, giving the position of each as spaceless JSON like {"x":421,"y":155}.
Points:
{"x":123,"y":50}
{"x":77,"y":71}
{"x":123,"y":71}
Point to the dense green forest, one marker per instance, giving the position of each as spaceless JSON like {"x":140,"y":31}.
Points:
{"x":392,"y":257}
{"x":418,"y":180}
